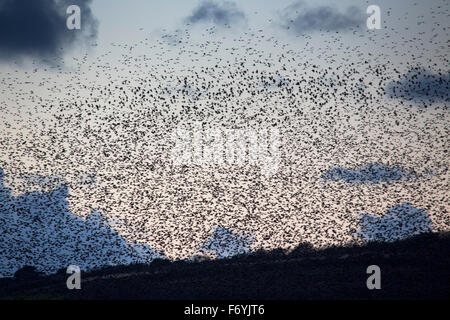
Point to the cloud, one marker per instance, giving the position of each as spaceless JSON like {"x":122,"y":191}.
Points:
{"x":399,"y":222}
{"x":226,"y":13}
{"x":370,"y":173}
{"x":224,"y":243}
{"x":38,"y":229}
{"x":421,"y":85}
{"x":300,"y":18}
{"x":38,"y":28}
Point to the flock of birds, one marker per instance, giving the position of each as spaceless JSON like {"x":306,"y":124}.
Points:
{"x":86,"y":176}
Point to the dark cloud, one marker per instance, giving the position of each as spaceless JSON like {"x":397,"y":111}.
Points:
{"x":225,"y":13}
{"x":370,"y":173}
{"x":225,"y":243}
{"x":421,"y":85}
{"x":300,"y":18}
{"x":38,"y":229}
{"x":399,"y":222}
{"x":38,"y":28}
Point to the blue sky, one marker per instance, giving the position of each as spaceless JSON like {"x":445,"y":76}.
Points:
{"x":122,"y":22}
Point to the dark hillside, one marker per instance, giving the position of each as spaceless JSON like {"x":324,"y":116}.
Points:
{"x":416,"y":268}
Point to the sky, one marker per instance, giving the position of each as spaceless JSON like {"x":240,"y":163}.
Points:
{"x":117,"y":22}
{"x":360,"y":117}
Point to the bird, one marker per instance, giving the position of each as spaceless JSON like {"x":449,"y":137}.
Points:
{"x":89,"y":176}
